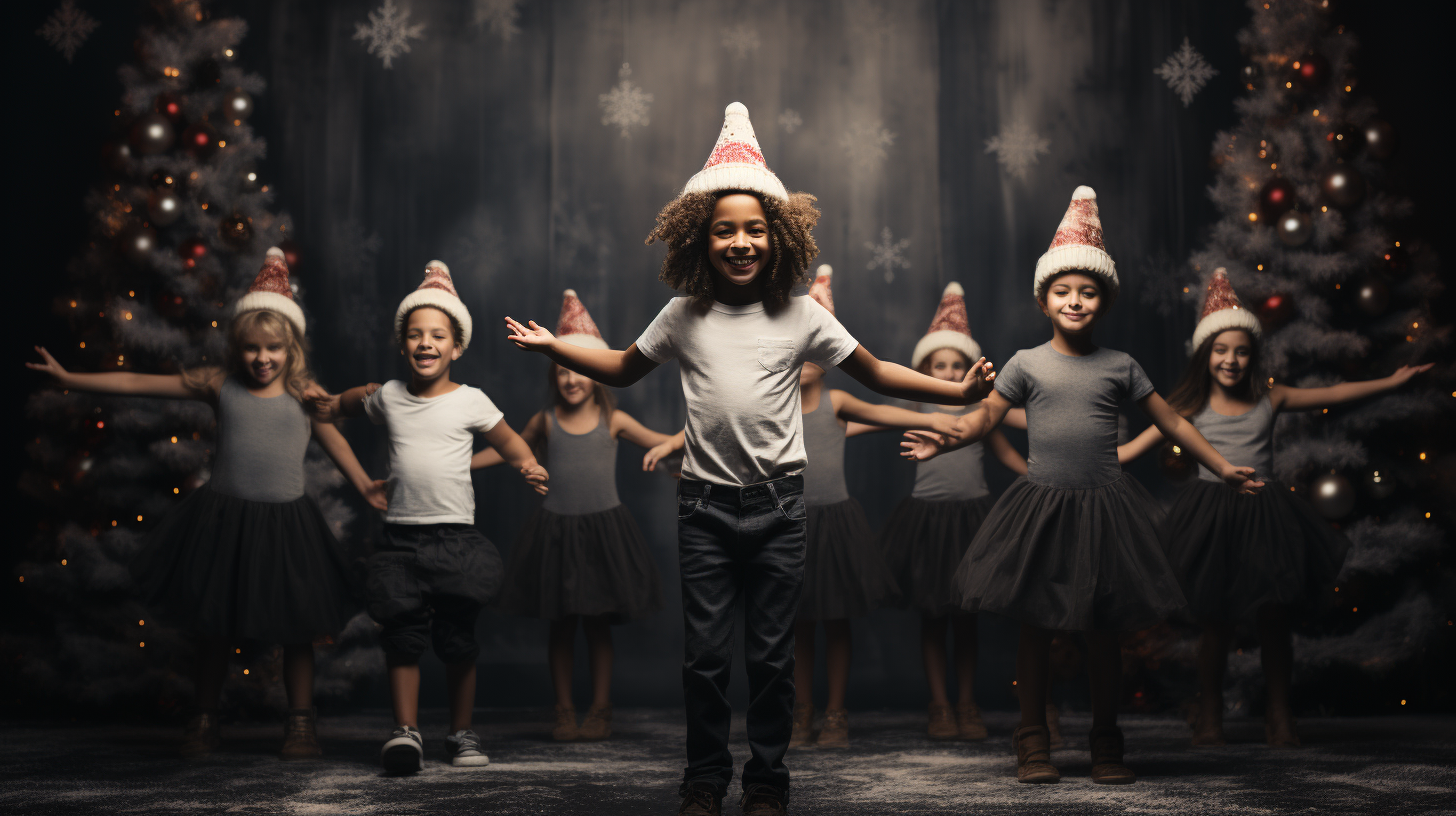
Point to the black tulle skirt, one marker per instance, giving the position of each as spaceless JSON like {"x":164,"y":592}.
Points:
{"x":1071,"y":559}
{"x":590,"y":564}
{"x":845,"y":574}
{"x":231,"y":568}
{"x":924,"y":542}
{"x":1234,"y":553}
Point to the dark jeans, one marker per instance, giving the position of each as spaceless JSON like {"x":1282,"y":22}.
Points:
{"x":740,"y":543}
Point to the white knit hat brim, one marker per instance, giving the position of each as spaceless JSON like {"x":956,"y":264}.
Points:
{"x":736,"y":176}
{"x":440,"y":299}
{"x":272,"y":302}
{"x":1223,"y":320}
{"x":1078,"y":257}
{"x":590,"y":341}
{"x":945,"y":338}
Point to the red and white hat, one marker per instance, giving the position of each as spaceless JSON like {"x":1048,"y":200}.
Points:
{"x":820,"y":290}
{"x":270,"y":290}
{"x":575,"y":325}
{"x":437,"y":290}
{"x":736,"y":162}
{"x":950,"y":328}
{"x":1078,"y":246}
{"x":1223,"y":311}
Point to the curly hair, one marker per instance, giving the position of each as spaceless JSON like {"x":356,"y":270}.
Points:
{"x":683,"y":226}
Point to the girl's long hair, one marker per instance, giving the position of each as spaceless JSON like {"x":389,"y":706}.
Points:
{"x":1191,"y":393}
{"x":295,"y":372}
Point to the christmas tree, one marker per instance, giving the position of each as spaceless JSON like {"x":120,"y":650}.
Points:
{"x":180,"y":224}
{"x":1314,"y":238}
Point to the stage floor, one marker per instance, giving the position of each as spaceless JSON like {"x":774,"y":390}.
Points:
{"x":1387,"y":766}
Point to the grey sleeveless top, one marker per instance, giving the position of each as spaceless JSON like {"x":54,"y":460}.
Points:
{"x":1246,"y":440}
{"x":955,"y":476}
{"x":583,"y":469}
{"x":261,"y":442}
{"x":824,"y":446}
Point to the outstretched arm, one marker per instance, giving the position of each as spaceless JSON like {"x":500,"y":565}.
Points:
{"x":1002,"y":450}
{"x":895,"y":380}
{"x":849,"y":407}
{"x":1289,"y":398}
{"x":628,"y":428}
{"x":515,"y":451}
{"x":173,"y":386}
{"x":490,"y":457}
{"x":1181,"y":431}
{"x":1139,"y":445}
{"x":970,"y":428}
{"x":338,"y":449}
{"x":617,"y":369}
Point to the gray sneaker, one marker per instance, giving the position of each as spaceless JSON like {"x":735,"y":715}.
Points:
{"x":404,"y":752}
{"x":465,"y":750}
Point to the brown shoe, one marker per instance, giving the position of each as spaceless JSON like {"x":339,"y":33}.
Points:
{"x":1107,"y":767}
{"x":1033,"y":757}
{"x":942,"y":724}
{"x":300,"y":735}
{"x":1054,"y":728}
{"x":969,"y":725}
{"x":835,"y":731}
{"x":803,"y":734}
{"x":1208,"y":732}
{"x":1281,"y":734}
{"x":699,"y":799}
{"x":565,"y":729}
{"x":763,"y":800}
{"x":201,"y":736}
{"x":597,"y":725}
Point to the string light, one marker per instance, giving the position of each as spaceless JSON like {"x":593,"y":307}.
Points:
{"x":1423,"y":457}
{"x":139,"y":518}
{"x":245,"y":671}
{"x":63,"y":562}
{"x":141,"y":623}
{"x":176,"y":490}
{"x":1402,"y":702}
{"x":1255,"y":217}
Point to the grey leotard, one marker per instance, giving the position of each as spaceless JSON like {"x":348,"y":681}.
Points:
{"x":583,"y":469}
{"x":955,"y":476}
{"x":1246,"y":440}
{"x":824,"y":445}
{"x":261,"y":443}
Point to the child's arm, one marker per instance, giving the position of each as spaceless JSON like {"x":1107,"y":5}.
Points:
{"x":859,"y":429}
{"x":895,"y":380}
{"x":1015,"y":418}
{"x":1181,"y":431}
{"x":616,"y":369}
{"x":1139,"y":445}
{"x":328,"y":407}
{"x":1289,"y":398}
{"x":173,"y":386}
{"x":1008,"y":456}
{"x":628,"y":428}
{"x":515,"y":451}
{"x":338,"y":449}
{"x":970,"y":428}
{"x":664,"y":449}
{"x":887,"y":417}
{"x":490,"y":457}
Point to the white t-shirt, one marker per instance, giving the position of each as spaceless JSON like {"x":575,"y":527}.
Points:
{"x":430,"y":444}
{"x":740,"y":375}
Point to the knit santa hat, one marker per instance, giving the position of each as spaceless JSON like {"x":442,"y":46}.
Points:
{"x":437,"y":290}
{"x":736,"y":163}
{"x":950,"y":328}
{"x":820,"y":291}
{"x":1078,"y":246}
{"x":270,"y":290}
{"x":1223,"y":311}
{"x":575,"y":325}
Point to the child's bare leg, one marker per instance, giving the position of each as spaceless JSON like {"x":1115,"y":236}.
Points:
{"x":298,"y":668}
{"x":404,"y":690}
{"x":1276,"y":651}
{"x":932,"y":651}
{"x":804,"y":631}
{"x":460,"y":683}
{"x":967,"y":641}
{"x":211,"y":671}
{"x":561,"y":644}
{"x":1033,"y":658}
{"x":600,"y":653}
{"x":838,"y":647}
{"x":1104,"y":673}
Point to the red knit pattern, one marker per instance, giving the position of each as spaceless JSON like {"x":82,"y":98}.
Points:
{"x":820,"y":292}
{"x":1220,"y":295}
{"x":437,"y":278}
{"x":574,"y":319}
{"x":273,"y":277}
{"x":735,"y":153}
{"x":1080,"y":226}
{"x":951,"y":316}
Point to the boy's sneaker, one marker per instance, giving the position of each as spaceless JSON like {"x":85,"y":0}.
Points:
{"x":404,"y":753}
{"x":699,"y":799}
{"x":762,"y":800}
{"x":465,"y":750}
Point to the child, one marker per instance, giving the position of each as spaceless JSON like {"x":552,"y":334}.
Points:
{"x":581,"y":557}
{"x":738,"y":242}
{"x":435,"y":571}
{"x":927,"y":535}
{"x":248,"y":555}
{"x":1072,"y":545}
{"x":1263,"y":558}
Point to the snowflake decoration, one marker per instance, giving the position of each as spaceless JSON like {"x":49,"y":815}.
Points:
{"x":742,"y":40}
{"x":500,"y":16}
{"x":790,"y":120}
{"x":67,"y":29}
{"x":1016,"y":148}
{"x":888,"y":254}
{"x":388,"y":33}
{"x":1186,"y":72}
{"x":866,"y":142}
{"x":626,"y":104}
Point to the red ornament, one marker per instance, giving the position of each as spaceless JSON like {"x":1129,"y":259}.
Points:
{"x":200,"y":140}
{"x":290,"y":254}
{"x":1276,"y":198}
{"x":1276,"y":310}
{"x":1395,"y":261}
{"x":1311,"y":73}
{"x":170,"y":304}
{"x":169,"y":105}
{"x":192,"y":250}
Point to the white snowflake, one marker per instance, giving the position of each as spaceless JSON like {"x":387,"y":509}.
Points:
{"x":1016,"y":148}
{"x":626,"y":104}
{"x":1186,"y":72}
{"x":866,"y":142}
{"x":388,"y":33}
{"x":790,"y":120}
{"x":742,"y":40}
{"x":67,"y":29}
{"x":888,"y":254}
{"x":500,"y":16}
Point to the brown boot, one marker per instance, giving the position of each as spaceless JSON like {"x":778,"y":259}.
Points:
{"x":969,"y":725}
{"x":1281,"y":733}
{"x":201,"y":736}
{"x":565,"y":729}
{"x":942,"y":725}
{"x":835,"y":731}
{"x":300,"y":735}
{"x":803,"y":726}
{"x":1208,"y":732}
{"x":1054,"y":728}
{"x":1107,"y":767}
{"x":1033,"y":757}
{"x":597,"y":725}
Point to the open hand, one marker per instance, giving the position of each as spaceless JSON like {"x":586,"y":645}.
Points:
{"x":536,"y":477}
{"x":376,"y":496}
{"x":1241,"y":479}
{"x":531,"y":337}
{"x":48,"y":364}
{"x":1401,"y":376}
{"x":921,"y":445}
{"x":977,"y":384}
{"x":656,"y":454}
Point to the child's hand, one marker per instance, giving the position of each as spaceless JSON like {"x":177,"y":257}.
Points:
{"x":656,"y":454}
{"x":1241,"y":479}
{"x":48,"y":364}
{"x":530,"y":338}
{"x":536,"y":477}
{"x":1401,"y":376}
{"x":370,"y":388}
{"x":977,"y":384}
{"x":324,"y":406}
{"x":921,"y":445}
{"x":944,"y":424}
{"x":376,"y":496}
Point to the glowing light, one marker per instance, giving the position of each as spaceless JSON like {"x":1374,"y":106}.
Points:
{"x":176,"y":490}
{"x":1177,"y":450}
{"x":1260,"y":267}
{"x":1185,"y":291}
{"x":1324,"y":209}
{"x":100,"y":424}
{"x":63,"y":562}
{"x":141,"y":623}
{"x":1402,"y":702}
{"x":245,"y":671}
{"x":131,"y":293}
{"x":1354,"y":609}
{"x":1423,"y":457}
{"x":1253,"y":216}
{"x":174,"y":439}
{"x":139,"y":518}
{"x":143,"y":644}
{"x":237,"y":651}
{"x":128,"y":315}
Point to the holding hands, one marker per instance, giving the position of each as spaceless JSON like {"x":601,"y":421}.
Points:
{"x":978,"y":382}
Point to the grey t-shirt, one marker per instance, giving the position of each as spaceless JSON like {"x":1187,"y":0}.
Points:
{"x":261,"y":443}
{"x":1071,"y":411}
{"x":955,"y":476}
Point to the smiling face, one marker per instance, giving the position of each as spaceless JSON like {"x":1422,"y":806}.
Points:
{"x":264,"y":355}
{"x":739,"y":246}
{"x":573,"y":388}
{"x":429,"y":343}
{"x":1230,"y":357}
{"x":1073,"y":301}
{"x":946,"y":364}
